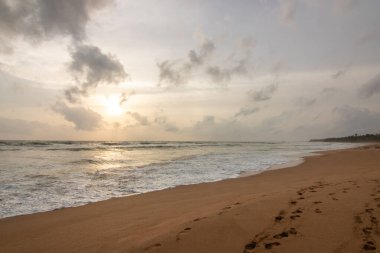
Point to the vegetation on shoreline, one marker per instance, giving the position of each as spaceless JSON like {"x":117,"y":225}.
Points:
{"x":352,"y":138}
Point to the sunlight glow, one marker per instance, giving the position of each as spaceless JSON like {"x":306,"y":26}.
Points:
{"x":112,"y":105}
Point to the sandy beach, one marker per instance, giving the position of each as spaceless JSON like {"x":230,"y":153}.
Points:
{"x":329,"y":203}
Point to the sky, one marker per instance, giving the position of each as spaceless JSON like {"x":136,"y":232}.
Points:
{"x":181,"y":70}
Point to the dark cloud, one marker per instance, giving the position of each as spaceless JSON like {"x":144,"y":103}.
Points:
{"x":175,"y":73}
{"x":37,"y":20}
{"x":370,"y":88}
{"x":246,"y":111}
{"x":83,"y":119}
{"x":40,"y":20}
{"x":263,"y":94}
{"x":91,"y":67}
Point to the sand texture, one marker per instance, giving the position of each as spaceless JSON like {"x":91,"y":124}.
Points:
{"x":329,"y":203}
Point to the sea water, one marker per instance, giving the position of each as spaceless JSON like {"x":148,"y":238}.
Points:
{"x":40,"y":176}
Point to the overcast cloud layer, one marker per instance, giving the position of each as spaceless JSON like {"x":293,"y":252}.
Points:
{"x":189,"y":70}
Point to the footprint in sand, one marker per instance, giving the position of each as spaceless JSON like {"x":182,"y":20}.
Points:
{"x":280,"y":216}
{"x":250,"y":246}
{"x":367,"y":230}
{"x":228,"y":207}
{"x":293,"y":217}
{"x":270,"y":245}
{"x":369,"y":245}
{"x":200,"y":218}
{"x":374,"y":220}
{"x":299,"y":210}
{"x":224,"y":210}
{"x":182,"y":232}
{"x":156,"y":245}
{"x":367,"y":227}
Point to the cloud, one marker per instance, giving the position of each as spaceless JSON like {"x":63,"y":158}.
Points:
{"x":198,"y":58}
{"x":171,"y":75}
{"x":163,"y":122}
{"x":124,"y":97}
{"x":206,"y":122}
{"x":366,"y":37}
{"x":179,"y":72}
{"x":246,"y":111}
{"x":263,"y":94}
{"x":175,"y":73}
{"x":239,"y":62}
{"x":219,"y":75}
{"x":140,"y":119}
{"x":91,"y":67}
{"x":344,"y":6}
{"x":38,"y":20}
{"x":339,"y":73}
{"x":370,"y":88}
{"x":18,"y":126}
{"x":210,"y":128}
{"x":224,"y":75}
{"x":83,"y":119}
{"x":329,"y":90}
{"x":351,"y":120}
{"x":288,"y":10}
{"x":305,"y":102}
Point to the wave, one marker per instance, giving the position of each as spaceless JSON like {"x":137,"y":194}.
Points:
{"x":86,"y":161}
{"x":101,"y":145}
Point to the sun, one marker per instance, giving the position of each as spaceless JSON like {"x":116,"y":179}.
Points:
{"x":112,"y":105}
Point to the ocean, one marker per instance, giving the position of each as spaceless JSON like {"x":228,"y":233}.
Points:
{"x":38,"y":176}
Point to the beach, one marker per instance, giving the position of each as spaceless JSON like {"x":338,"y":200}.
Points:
{"x":329,"y":203}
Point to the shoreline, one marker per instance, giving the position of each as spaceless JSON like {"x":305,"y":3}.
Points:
{"x":294,"y":160}
{"x":169,"y":220}
{"x":300,"y":159}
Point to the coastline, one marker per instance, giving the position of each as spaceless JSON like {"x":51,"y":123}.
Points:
{"x":172,"y":219}
{"x":298,"y":160}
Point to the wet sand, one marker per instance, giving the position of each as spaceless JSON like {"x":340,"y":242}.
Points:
{"x":329,"y":203}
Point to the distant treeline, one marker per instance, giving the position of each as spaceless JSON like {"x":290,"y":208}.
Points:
{"x":353,"y":138}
